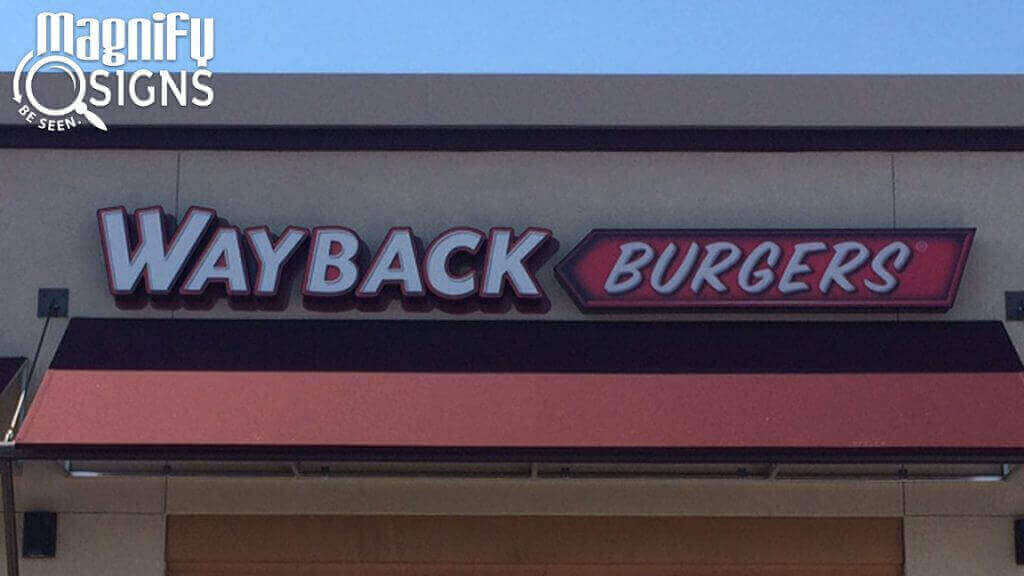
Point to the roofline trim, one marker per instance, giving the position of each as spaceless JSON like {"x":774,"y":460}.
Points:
{"x":505,"y":138}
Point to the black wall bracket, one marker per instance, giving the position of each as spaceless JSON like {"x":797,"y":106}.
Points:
{"x":52,"y":302}
{"x":1015,"y":306}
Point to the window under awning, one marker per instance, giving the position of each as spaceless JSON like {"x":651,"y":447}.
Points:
{"x":536,"y":390}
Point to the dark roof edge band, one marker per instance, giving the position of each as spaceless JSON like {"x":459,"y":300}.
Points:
{"x":902,"y":455}
{"x":538,"y":138}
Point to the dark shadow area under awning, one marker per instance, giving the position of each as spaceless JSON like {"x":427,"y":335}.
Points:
{"x":529,"y":390}
{"x":9,"y":370}
{"x":12,"y":378}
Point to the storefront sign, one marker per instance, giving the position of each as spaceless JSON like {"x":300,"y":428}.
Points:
{"x":695,"y":269}
{"x":203,"y":258}
{"x":207,"y":257}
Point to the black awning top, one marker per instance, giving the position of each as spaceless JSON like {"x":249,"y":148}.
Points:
{"x":536,"y":346}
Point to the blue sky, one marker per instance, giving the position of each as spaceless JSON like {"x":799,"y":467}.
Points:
{"x":583,"y":36}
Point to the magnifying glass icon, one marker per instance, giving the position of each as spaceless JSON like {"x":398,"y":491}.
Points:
{"x":77,"y":105}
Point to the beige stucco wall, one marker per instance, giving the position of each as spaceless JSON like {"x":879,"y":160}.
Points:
{"x":48,"y":200}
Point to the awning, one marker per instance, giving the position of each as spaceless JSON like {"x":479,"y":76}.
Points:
{"x":529,"y":389}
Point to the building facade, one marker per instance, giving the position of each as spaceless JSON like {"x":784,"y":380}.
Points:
{"x":565,"y":154}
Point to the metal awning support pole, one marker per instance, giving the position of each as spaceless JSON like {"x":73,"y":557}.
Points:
{"x":10,"y":516}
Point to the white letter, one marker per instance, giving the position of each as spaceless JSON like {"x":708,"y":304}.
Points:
{"x":207,"y":90}
{"x":179,"y":90}
{"x":661,"y":266}
{"x":323,"y":257}
{"x":150,"y":259}
{"x":440,"y":251}
{"x":709,"y":270}
{"x":765,"y":276}
{"x":796,"y":267}
{"x":395,"y":262}
{"x":159,"y":27}
{"x":143,"y":102}
{"x":140,"y":36}
{"x":173,"y":33}
{"x":272,"y":256}
{"x":889,"y":282}
{"x":201,"y":36}
{"x":225,"y":246}
{"x":97,"y":85}
{"x":503,"y":262}
{"x":113,"y":41}
{"x":59,"y":28}
{"x":837,"y":269}
{"x":87,"y":46}
{"x":632,"y":257}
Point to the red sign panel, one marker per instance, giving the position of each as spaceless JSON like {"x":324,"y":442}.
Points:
{"x":834,"y":269}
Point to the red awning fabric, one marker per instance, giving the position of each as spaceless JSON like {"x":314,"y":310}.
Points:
{"x":84,"y":407}
{"x":575,"y":387}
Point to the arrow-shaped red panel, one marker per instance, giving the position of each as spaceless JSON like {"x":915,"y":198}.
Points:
{"x":772,"y":269}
